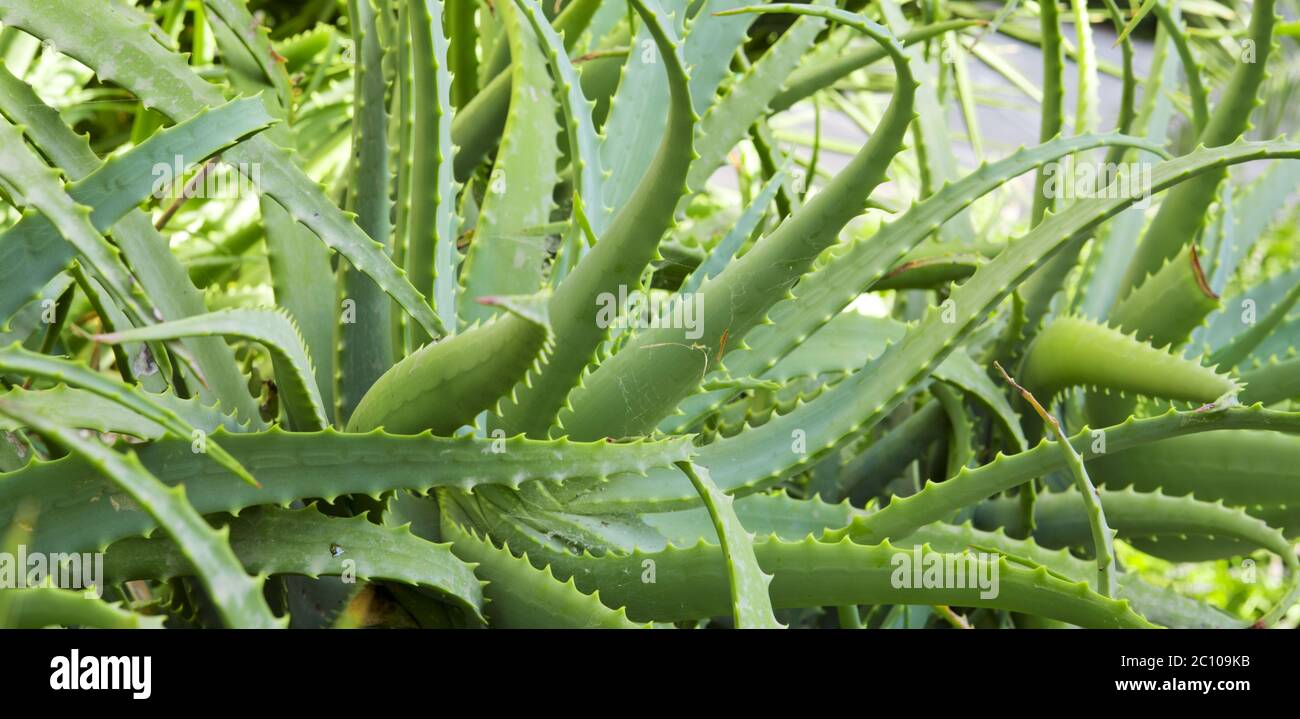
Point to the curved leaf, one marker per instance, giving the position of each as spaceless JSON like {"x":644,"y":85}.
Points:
{"x":237,"y":596}
{"x":294,"y":372}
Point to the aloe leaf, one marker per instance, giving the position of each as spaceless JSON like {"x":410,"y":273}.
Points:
{"x":1156,"y":514}
{"x":997,"y":64}
{"x":751,"y":606}
{"x":960,"y":448}
{"x":364,"y":324}
{"x":462,"y":58}
{"x":158,"y":271}
{"x":1160,"y":605}
{"x":737,"y":299}
{"x":1162,"y":312}
{"x":1102,"y":536}
{"x":1086,"y":97}
{"x":297,"y":260}
{"x":726,"y":249}
{"x":936,"y":162}
{"x":793,"y":520}
{"x":1191,"y":68}
{"x":584,"y":144}
{"x":401,"y":142}
{"x":233,"y":17}
{"x":810,"y":78}
{"x":1136,"y":18}
{"x":827,"y":290}
{"x":43,"y":192}
{"x":478,"y":124}
{"x":691,"y":582}
{"x":1165,"y":308}
{"x":1127,"y":103}
{"x":135,"y":362}
{"x":153,"y":73}
{"x":237,"y":596}
{"x":1254,"y":210}
{"x":1050,"y":115}
{"x":929,"y":273}
{"x":16,"y":359}
{"x":638,"y":112}
{"x":71,"y":407}
{"x":446,"y":385}
{"x":729,"y":118}
{"x":1272,"y":381}
{"x":1073,"y":352}
{"x":294,"y":371}
{"x":501,"y":259}
{"x":110,"y":192}
{"x":273,"y":541}
{"x":938,"y":501}
{"x":859,"y":402}
{"x":619,"y":257}
{"x":431,"y":256}
{"x":520,"y":595}
{"x":79,"y":511}
{"x":40,"y":607}
{"x":1242,"y":468}
{"x":1182,"y":214}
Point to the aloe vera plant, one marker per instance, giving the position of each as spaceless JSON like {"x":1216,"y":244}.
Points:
{"x":450,"y":314}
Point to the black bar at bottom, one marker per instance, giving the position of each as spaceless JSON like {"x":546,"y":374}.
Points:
{"x":336,"y":668}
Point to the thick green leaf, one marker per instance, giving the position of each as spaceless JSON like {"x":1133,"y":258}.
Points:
{"x":237,"y":596}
